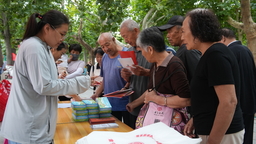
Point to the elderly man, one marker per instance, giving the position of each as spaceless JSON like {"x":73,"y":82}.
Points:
{"x":130,"y":30}
{"x":247,"y":79}
{"x":111,"y":73}
{"x":190,"y":58}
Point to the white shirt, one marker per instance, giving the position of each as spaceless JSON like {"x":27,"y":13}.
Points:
{"x":31,"y":112}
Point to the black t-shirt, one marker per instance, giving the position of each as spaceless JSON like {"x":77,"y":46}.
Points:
{"x":190,"y":58}
{"x":218,"y":66}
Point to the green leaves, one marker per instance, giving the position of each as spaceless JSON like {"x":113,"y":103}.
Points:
{"x":106,"y":15}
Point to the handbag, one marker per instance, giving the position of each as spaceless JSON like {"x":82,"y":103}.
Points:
{"x":5,"y":87}
{"x":152,"y":113}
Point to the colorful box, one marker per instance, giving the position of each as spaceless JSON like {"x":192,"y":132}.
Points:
{"x":91,"y":104}
{"x":105,"y":115}
{"x":104,"y":105}
{"x":94,"y":116}
{"x":80,"y":112}
{"x":93,"y":111}
{"x":80,"y":118}
{"x":78,"y":105}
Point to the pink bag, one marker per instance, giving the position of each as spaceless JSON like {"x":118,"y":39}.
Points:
{"x":152,"y":113}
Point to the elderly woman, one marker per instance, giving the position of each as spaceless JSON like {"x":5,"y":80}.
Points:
{"x":167,"y":74}
{"x":217,"y":116}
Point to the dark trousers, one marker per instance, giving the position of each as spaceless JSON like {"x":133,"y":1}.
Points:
{"x":123,"y":116}
{"x":133,"y":119}
{"x":248,"y":126}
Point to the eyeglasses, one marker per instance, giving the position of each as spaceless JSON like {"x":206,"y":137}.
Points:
{"x":62,"y":35}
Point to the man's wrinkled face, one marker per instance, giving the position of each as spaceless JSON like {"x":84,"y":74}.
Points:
{"x":129,"y":36}
{"x":174,"y":36}
{"x":108,"y":46}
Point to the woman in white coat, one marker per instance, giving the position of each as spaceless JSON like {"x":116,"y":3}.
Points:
{"x":31,"y":112}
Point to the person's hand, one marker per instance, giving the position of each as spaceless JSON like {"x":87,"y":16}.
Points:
{"x":94,"y":96}
{"x":123,"y":89}
{"x":189,"y":129}
{"x":150,"y":96}
{"x":130,"y":107}
{"x":62,"y":75}
{"x":58,"y":61}
{"x":76,"y":97}
{"x":139,"y":70}
{"x":94,"y":77}
{"x":126,"y":74}
{"x":95,"y":83}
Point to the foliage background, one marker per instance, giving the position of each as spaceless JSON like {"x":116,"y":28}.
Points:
{"x":91,"y":17}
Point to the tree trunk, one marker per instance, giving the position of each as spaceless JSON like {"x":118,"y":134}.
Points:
{"x":1,"y":56}
{"x":7,"y":39}
{"x":249,"y":26}
{"x":78,"y":38}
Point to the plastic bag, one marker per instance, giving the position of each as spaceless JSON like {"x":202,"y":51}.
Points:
{"x":5,"y":88}
{"x":157,"y":133}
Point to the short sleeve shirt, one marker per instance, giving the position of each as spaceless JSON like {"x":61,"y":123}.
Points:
{"x":111,"y":73}
{"x":218,"y":66}
{"x":177,"y":84}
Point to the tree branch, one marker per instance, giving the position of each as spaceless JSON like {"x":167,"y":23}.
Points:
{"x":82,"y":42}
{"x":80,"y":27}
{"x":235,"y":23}
{"x":146,"y":17}
{"x":160,"y":18}
{"x":151,"y":18}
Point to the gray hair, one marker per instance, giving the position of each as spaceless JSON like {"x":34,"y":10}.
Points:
{"x":107,"y":35}
{"x":130,"y":24}
{"x":151,"y":37}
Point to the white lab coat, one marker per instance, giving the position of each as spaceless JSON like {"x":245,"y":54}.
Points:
{"x":31,"y":112}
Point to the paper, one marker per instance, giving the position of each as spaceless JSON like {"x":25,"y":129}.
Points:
{"x":126,"y":62}
{"x":64,"y":105}
{"x":129,"y":54}
{"x":157,"y":133}
{"x":104,"y":126}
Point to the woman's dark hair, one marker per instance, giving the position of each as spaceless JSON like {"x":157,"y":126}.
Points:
{"x":62,"y":46}
{"x":99,"y":51}
{"x":204,"y":25}
{"x":151,"y":37}
{"x":75,"y":47}
{"x":53,"y":17}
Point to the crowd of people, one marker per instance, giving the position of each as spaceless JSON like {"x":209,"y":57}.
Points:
{"x":211,"y":76}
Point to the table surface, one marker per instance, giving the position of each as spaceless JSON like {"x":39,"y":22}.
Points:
{"x":68,"y":131}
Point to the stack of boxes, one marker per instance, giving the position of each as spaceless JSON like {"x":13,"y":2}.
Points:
{"x":79,"y":111}
{"x":86,"y":109}
{"x":93,"y":108}
{"x":104,"y":107}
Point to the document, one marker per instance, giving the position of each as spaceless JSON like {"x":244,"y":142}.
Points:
{"x":64,"y":105}
{"x":129,"y":54}
{"x":126,"y":62}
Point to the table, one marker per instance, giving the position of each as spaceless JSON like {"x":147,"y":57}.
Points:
{"x":68,"y":131}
